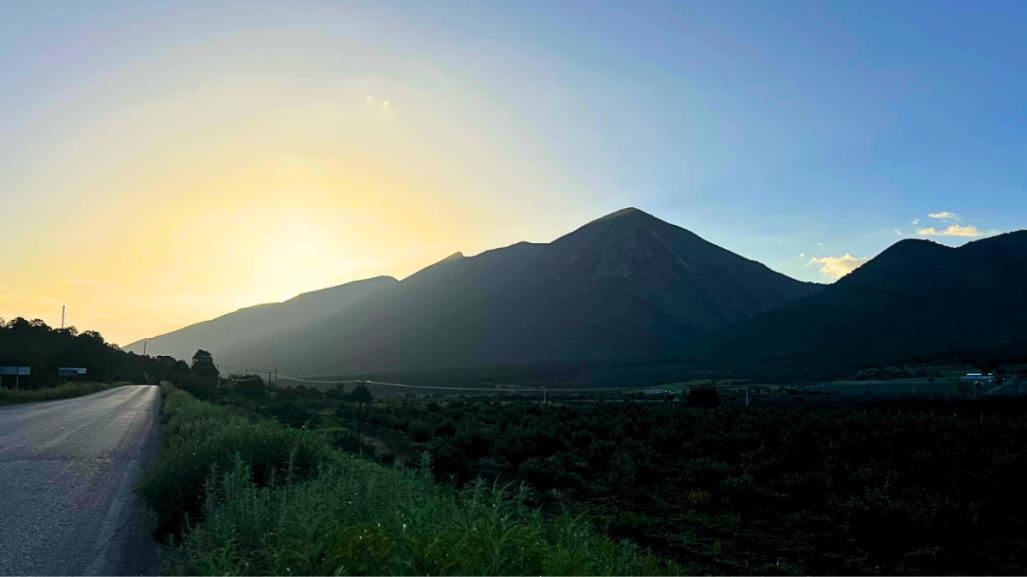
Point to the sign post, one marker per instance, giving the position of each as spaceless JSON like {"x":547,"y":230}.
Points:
{"x":17,"y":372}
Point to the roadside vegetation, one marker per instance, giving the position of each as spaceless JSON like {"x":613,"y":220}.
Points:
{"x":905,"y":486}
{"x":65,"y":391}
{"x":258,"y":480}
{"x":236,"y":493}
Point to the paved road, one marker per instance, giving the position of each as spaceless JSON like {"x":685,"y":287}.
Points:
{"x":67,"y":470}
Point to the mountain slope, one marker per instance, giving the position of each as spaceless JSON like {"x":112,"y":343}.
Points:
{"x":917,"y":299}
{"x":242,"y":328}
{"x":626,"y":286}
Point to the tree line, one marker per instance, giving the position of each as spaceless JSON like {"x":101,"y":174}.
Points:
{"x":34,"y":344}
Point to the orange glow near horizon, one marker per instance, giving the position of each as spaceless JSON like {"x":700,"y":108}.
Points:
{"x":249,"y":192}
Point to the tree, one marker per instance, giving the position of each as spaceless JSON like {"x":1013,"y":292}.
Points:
{"x":203,"y":364}
{"x":336,"y":394}
{"x":361,"y":395}
{"x":250,"y":386}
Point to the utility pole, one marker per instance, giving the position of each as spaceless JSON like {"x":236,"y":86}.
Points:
{"x":276,"y":377}
{"x":144,"y":347}
{"x":63,"y":307}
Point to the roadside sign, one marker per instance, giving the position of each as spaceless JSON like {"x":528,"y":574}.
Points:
{"x":15,"y":370}
{"x":70,"y":371}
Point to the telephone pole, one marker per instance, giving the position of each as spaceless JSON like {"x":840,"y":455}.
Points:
{"x":63,"y":307}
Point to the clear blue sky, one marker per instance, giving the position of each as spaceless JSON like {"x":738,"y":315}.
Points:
{"x":785,"y":131}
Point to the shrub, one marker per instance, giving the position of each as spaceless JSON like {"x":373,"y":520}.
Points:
{"x":250,"y":386}
{"x":201,"y":387}
{"x":198,"y":438}
{"x":420,"y":431}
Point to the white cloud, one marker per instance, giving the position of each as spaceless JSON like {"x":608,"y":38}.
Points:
{"x":377,"y":103}
{"x":916,"y":221}
{"x":897,"y":232}
{"x":944,"y":215}
{"x":835,"y":267}
{"x":968,"y":231}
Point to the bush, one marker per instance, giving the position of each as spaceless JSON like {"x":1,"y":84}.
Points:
{"x":198,"y":438}
{"x":420,"y":431}
{"x":291,"y":413}
{"x":198,"y":386}
{"x":250,"y":386}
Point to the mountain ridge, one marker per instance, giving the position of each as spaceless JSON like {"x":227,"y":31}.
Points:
{"x":917,"y":299}
{"x":625,"y":286}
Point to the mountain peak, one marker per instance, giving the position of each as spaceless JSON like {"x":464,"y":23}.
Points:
{"x":625,"y":213}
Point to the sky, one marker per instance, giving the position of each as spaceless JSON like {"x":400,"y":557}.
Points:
{"x":164,"y":163}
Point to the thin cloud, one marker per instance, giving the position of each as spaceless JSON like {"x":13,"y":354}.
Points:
{"x":943,"y":215}
{"x":377,"y":103}
{"x":968,"y":231}
{"x":833,"y":268}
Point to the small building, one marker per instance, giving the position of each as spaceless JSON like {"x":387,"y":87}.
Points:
{"x":978,"y":378}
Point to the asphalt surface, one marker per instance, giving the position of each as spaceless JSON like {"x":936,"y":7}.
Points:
{"x":67,"y":470}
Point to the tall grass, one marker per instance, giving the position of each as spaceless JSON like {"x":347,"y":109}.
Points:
{"x":348,"y":516}
{"x":65,"y":391}
{"x":198,"y":438}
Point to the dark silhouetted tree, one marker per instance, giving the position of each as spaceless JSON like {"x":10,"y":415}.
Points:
{"x":203,"y":364}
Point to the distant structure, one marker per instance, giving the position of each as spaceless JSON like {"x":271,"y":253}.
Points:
{"x":977,"y":378}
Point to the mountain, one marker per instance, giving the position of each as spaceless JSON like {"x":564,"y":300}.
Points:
{"x":627,"y":286}
{"x":916,"y":300}
{"x":244,"y":327}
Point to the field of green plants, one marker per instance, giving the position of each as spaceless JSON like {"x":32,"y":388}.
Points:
{"x":887,"y":484}
{"x":236,"y":494}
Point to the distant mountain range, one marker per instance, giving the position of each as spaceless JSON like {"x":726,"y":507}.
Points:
{"x":626,"y":286}
{"x":630,"y":288}
{"x":917,"y":300}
